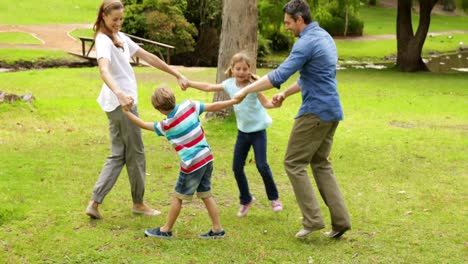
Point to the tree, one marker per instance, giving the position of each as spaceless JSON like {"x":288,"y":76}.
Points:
{"x":409,"y":45}
{"x":238,"y":33}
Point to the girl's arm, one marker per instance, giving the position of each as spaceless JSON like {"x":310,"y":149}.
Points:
{"x":206,"y":87}
{"x":125,"y":101}
{"x":156,"y":62}
{"x":138,"y":121}
{"x":264,"y":101}
{"x":213,"y":107}
{"x":278,"y":99}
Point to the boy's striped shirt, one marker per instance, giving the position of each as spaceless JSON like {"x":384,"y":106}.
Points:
{"x":183,"y":129}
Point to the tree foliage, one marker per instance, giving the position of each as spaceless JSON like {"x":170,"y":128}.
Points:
{"x":160,"y":20}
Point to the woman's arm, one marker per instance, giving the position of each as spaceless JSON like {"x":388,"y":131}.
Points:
{"x":125,"y":101}
{"x":206,"y":87}
{"x":138,"y":121}
{"x":156,"y":62}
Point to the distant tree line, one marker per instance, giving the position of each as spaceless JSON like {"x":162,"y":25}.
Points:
{"x":194,"y":26}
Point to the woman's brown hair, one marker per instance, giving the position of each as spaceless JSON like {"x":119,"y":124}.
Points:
{"x":107,"y":7}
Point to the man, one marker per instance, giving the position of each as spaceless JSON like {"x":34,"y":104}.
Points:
{"x":314,"y":56}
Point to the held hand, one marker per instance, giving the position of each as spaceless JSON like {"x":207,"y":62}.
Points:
{"x":278,"y":99}
{"x":126,"y":102}
{"x":183,"y":82}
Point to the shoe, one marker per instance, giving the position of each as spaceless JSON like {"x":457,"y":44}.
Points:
{"x":151,"y":212}
{"x":303,"y":233}
{"x":245,"y":208}
{"x":156,"y":232}
{"x":336,"y":234}
{"x":212,"y":235}
{"x":276,"y":205}
{"x":93,"y":212}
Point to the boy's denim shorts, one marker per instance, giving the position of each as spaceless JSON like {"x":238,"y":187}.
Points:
{"x":198,"y":181}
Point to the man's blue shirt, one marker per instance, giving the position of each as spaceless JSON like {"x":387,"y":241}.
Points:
{"x":314,"y":55}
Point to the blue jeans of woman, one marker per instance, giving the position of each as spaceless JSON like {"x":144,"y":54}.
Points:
{"x":258,"y":140}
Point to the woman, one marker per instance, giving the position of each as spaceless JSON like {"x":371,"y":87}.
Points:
{"x":119,"y":92}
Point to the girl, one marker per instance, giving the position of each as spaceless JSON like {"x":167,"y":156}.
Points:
{"x":252,"y":121}
{"x":119,"y":92}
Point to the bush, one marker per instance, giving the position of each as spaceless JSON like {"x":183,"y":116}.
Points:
{"x":279,"y":41}
{"x":332,"y":19}
{"x":161,"y":21}
{"x":263,"y":47}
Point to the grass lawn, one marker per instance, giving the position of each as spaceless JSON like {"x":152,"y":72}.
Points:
{"x":379,"y":21}
{"x":18,"y":38}
{"x":34,"y":12}
{"x":399,"y":156}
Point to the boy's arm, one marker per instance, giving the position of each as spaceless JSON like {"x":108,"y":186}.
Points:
{"x":213,"y":107}
{"x":264,"y":101}
{"x":206,"y":87}
{"x":138,"y":121}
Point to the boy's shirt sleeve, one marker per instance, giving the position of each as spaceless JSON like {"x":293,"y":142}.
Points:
{"x":202,"y":107}
{"x":199,"y":107}
{"x":158,"y":128}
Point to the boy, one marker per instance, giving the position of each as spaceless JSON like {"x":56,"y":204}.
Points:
{"x":183,"y":129}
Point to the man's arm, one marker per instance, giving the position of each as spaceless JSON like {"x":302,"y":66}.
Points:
{"x":139,"y":122}
{"x":260,"y":85}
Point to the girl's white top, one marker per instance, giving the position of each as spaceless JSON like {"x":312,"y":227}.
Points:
{"x":120,"y":69}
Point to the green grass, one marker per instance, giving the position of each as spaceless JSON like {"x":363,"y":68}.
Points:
{"x":399,"y":156}
{"x":382,"y":48}
{"x":18,"y":38}
{"x":82,"y":33}
{"x":12,"y":56}
{"x":32,"y":12}
{"x":380,"y":21}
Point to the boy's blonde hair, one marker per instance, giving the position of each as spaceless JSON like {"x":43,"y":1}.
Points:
{"x":163,"y":99}
{"x":238,"y":57}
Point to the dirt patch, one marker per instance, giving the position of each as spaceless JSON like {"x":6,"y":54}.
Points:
{"x":53,"y":37}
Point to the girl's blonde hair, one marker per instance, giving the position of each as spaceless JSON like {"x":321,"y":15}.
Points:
{"x":238,"y":57}
{"x":163,"y":99}
{"x":107,"y":7}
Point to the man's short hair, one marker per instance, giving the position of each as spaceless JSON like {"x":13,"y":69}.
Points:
{"x":296,"y":8}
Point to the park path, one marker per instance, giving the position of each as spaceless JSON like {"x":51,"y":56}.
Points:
{"x":53,"y":37}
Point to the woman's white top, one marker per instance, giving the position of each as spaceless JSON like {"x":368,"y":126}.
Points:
{"x":120,"y":69}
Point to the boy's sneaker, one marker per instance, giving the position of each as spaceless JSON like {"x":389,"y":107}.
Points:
{"x":245,"y":208}
{"x":212,"y":235}
{"x":156,"y":232}
{"x":276,"y":205}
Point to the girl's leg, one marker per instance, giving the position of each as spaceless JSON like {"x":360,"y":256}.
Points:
{"x":213,"y":213}
{"x":176,"y":206}
{"x":241,"y":150}
{"x":259,"y":142}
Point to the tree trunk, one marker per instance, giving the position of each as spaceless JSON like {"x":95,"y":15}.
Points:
{"x":238,"y":33}
{"x":409,"y":45}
